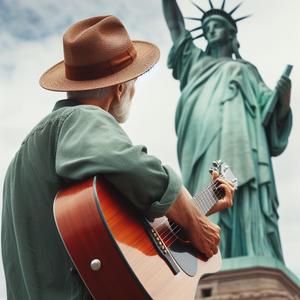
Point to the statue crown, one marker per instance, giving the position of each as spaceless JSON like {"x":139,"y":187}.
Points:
{"x":213,"y":11}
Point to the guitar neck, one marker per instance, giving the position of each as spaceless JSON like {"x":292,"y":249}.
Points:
{"x":207,"y":198}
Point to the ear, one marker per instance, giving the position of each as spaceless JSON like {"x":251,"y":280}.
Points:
{"x":118,"y":91}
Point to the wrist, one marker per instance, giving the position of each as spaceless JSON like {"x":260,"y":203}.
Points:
{"x":184,"y":211}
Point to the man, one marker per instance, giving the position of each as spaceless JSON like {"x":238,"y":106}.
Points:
{"x":79,"y":139}
{"x":221,"y":113}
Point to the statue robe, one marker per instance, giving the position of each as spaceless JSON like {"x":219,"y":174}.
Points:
{"x":219,"y":117}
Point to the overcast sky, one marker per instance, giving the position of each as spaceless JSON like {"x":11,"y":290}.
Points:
{"x":30,"y":42}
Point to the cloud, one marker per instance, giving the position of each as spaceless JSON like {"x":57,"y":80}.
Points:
{"x":31,"y":42}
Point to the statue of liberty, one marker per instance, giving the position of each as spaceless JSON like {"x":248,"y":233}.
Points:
{"x":221,"y":115}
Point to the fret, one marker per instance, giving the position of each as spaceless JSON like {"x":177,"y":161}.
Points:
{"x":206,"y":199}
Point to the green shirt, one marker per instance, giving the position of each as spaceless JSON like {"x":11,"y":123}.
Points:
{"x":72,"y":143}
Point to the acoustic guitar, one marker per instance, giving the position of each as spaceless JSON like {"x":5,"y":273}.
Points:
{"x":120,"y":254}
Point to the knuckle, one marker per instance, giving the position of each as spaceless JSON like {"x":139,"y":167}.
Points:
{"x":210,"y":254}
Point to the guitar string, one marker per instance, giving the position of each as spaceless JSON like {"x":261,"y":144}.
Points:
{"x":206,"y":193}
{"x":203,"y":193}
{"x":215,"y":196}
{"x":173,"y":235}
{"x":197,"y":199}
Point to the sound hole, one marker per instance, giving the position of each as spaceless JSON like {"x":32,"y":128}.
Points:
{"x":206,"y":292}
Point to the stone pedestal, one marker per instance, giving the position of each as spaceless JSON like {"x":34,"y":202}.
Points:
{"x":249,"y":283}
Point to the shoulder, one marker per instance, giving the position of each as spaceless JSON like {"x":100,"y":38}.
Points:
{"x":247,"y":64}
{"x":69,"y":117}
{"x":84,"y":113}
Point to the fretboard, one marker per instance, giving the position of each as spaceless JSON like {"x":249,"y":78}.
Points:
{"x":207,"y":198}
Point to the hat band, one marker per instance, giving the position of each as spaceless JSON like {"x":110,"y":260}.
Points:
{"x":101,"y":69}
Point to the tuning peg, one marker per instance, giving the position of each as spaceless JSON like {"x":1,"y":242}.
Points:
{"x":215,"y":163}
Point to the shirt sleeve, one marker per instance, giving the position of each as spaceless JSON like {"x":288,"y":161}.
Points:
{"x":181,"y":58}
{"x":91,"y":142}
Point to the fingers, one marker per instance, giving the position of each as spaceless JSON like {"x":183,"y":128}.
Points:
{"x":205,"y":236}
{"x":211,"y":252}
{"x":214,"y":250}
{"x":228,"y":198}
{"x":227,"y":189}
{"x":214,"y":175}
{"x":221,"y":180}
{"x":286,"y":80}
{"x":284,"y":84}
{"x":211,"y":249}
{"x":213,"y":237}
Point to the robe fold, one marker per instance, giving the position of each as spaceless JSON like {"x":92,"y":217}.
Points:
{"x":219,"y":117}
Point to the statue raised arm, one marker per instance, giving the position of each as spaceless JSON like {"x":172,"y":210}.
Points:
{"x":173,"y":18}
{"x":220,"y":116}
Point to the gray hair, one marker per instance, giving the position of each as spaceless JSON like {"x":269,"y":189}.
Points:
{"x":97,"y":93}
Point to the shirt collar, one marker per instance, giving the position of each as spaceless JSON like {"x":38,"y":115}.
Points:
{"x":65,"y":103}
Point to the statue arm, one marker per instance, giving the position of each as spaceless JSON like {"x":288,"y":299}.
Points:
{"x":280,"y":124}
{"x":174,"y":18}
{"x":284,"y":92}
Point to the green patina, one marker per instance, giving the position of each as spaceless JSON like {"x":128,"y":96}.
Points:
{"x":219,"y":116}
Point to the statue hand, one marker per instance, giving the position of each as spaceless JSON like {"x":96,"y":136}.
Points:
{"x":227,"y":200}
{"x":283,"y":87}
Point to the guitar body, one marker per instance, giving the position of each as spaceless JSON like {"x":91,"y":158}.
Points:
{"x":97,"y":225}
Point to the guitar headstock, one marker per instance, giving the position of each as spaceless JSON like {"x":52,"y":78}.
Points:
{"x":224,"y":172}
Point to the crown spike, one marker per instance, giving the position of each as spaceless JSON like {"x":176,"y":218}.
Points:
{"x":197,"y":28}
{"x":242,"y":18}
{"x":194,"y":19}
{"x":198,"y":36}
{"x":223,"y":4}
{"x":230,"y":13}
{"x":210,"y":3}
{"x":202,"y":10}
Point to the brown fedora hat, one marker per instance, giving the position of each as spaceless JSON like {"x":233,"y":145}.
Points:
{"x":99,"y":53}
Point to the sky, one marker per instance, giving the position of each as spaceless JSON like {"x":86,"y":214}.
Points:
{"x":31,"y":42}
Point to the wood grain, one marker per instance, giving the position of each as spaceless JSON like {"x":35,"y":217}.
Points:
{"x":131,"y":267}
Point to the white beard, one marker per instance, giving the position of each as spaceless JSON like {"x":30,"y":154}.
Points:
{"x":120,"y":110}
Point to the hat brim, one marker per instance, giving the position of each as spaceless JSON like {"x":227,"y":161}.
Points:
{"x":54,"y":79}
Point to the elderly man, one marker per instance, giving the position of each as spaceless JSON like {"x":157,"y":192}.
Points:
{"x":81,"y":138}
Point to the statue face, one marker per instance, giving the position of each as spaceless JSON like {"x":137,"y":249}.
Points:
{"x":216,"y":32}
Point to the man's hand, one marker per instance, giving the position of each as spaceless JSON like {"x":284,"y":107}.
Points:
{"x":202,"y":233}
{"x":228,"y":189}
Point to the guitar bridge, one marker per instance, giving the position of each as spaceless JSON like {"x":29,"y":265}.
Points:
{"x":161,"y":247}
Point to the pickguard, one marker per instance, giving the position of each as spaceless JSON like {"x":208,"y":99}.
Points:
{"x":185,"y":256}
